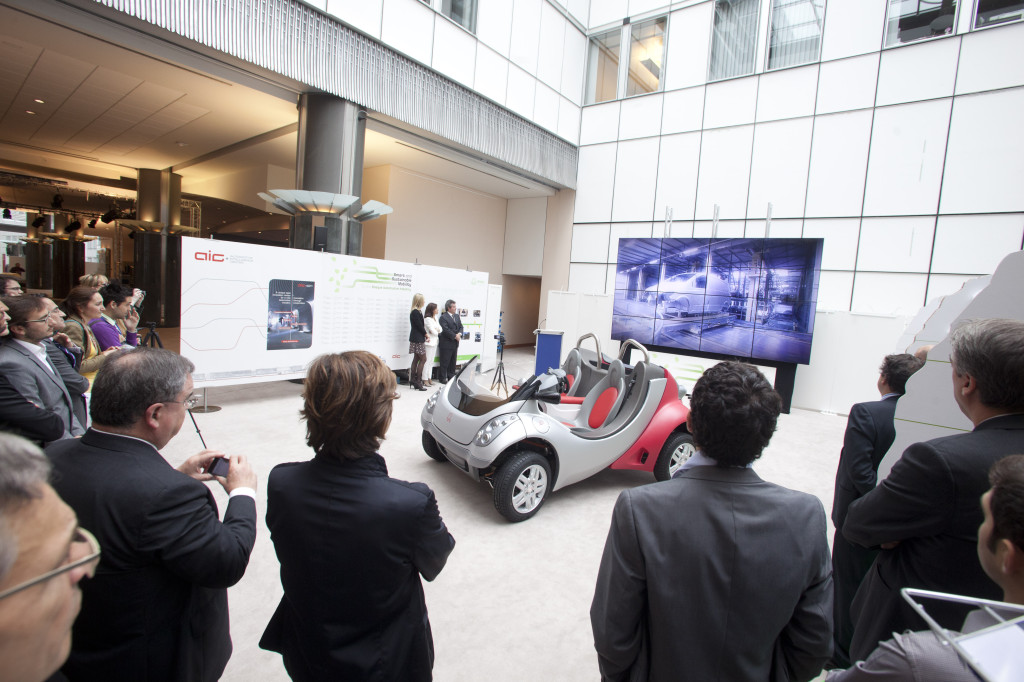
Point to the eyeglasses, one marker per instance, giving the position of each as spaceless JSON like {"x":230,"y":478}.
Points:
{"x":54,"y":312}
{"x":188,"y":402}
{"x":85,"y":550}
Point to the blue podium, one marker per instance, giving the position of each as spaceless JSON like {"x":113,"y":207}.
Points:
{"x":549,"y":349}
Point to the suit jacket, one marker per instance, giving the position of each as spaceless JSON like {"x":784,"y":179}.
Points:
{"x":451,"y":331}
{"x":39,"y":385}
{"x":869,"y":434}
{"x":19,"y":415}
{"x":76,"y":384}
{"x":714,"y":575}
{"x":930,"y":504}
{"x":353,"y":544}
{"x":157,"y":606}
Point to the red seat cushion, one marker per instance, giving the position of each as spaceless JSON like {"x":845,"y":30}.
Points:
{"x":570,"y":378}
{"x":602,"y":406}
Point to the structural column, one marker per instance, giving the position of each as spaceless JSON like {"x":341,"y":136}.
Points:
{"x":158,"y":254}
{"x":329,"y":159}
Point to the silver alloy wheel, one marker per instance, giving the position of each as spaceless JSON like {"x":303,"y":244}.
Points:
{"x":679,"y":456}
{"x":529,"y":489}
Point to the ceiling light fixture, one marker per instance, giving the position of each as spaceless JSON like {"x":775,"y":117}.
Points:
{"x":30,"y":112}
{"x":7,"y":214}
{"x":110,"y":216}
{"x":38,"y":222}
{"x":58,"y":201}
{"x":73,"y":226}
{"x":39,"y":101}
{"x":92,"y":224}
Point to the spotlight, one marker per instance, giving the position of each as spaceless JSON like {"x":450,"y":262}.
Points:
{"x":58,"y":201}
{"x":92,"y":224}
{"x":110,"y":216}
{"x":73,"y":226}
{"x":7,"y":214}
{"x":38,"y":222}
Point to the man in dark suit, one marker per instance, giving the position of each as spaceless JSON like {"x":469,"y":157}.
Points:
{"x":925,"y":514}
{"x":448,"y":344}
{"x":18,"y":414}
{"x":869,"y":433}
{"x":716,"y":574}
{"x":157,"y":607}
{"x":25,"y":362}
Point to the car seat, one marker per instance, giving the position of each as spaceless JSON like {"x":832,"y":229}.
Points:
{"x":603,"y":400}
{"x":573,"y":367}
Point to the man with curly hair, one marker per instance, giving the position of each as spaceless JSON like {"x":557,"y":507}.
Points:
{"x":716,"y":574}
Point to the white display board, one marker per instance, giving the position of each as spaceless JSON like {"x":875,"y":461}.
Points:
{"x":254,"y":313}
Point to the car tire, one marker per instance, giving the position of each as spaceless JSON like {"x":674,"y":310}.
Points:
{"x":677,"y":449}
{"x":521,"y":485}
{"x":432,"y":449}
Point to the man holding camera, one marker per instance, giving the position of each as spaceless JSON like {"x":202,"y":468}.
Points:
{"x":157,"y":608}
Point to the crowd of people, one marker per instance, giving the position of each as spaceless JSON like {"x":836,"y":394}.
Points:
{"x":115,"y":565}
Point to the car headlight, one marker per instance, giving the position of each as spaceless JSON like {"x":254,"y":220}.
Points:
{"x":432,"y":402}
{"x":492,"y":428}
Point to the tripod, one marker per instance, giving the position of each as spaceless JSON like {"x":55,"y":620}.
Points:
{"x":499,"y":371}
{"x":152,"y":339}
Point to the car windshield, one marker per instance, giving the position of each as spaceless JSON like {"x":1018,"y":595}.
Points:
{"x":474,"y":397}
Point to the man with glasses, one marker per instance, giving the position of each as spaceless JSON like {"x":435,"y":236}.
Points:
{"x":28,"y":367}
{"x":43,"y":556}
{"x":9,"y":286}
{"x":157,"y":609}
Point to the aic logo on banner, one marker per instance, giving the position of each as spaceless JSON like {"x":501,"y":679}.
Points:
{"x":209,"y":256}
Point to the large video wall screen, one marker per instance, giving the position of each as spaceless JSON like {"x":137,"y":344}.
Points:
{"x":750,"y":298}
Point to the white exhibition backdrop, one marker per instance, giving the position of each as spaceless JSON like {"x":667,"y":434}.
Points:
{"x":357,"y":303}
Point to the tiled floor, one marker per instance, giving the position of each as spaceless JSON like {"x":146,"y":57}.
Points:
{"x":513,"y":602}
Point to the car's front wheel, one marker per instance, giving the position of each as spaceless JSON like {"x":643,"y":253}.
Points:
{"x":677,"y":449}
{"x":432,"y":449}
{"x":520,"y":486}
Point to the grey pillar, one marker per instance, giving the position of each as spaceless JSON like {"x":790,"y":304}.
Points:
{"x":157,"y":261}
{"x":329,"y":159}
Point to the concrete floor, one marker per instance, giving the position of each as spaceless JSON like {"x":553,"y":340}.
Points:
{"x":513,"y":602}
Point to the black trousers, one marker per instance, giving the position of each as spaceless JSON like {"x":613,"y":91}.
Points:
{"x":446,"y":364}
{"x":850,"y":563}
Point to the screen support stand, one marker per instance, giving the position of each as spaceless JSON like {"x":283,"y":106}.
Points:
{"x":785,"y":379}
{"x":205,"y":408}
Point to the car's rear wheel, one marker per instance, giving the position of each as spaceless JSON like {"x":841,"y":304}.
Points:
{"x":432,"y":449}
{"x":677,"y":449}
{"x":521,"y":485}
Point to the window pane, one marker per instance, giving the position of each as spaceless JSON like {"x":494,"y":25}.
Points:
{"x":998,"y":12}
{"x":603,"y":66}
{"x":911,"y":20}
{"x":646,"y":56}
{"x":462,"y":12}
{"x":734,"y":38}
{"x":795,"y":32}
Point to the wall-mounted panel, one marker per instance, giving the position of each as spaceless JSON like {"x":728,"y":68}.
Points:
{"x":908,"y":144}
{"x":600,"y":123}
{"x":834,"y":290}
{"x":525,"y":34}
{"x":545,"y":107}
{"x":895,"y":244}
{"x":852,"y":27}
{"x":590,"y":243}
{"x":587,"y":278}
{"x":574,"y":60}
{"x":920,"y":71}
{"x":944,"y":285}
{"x":552,"y":39}
{"x":595,"y":183}
{"x":724,"y":172}
{"x":886,"y":293}
{"x":778,"y":174}
{"x":689,"y":33}
{"x":990,"y":60}
{"x":494,"y":24}
{"x":975,"y":244}
{"x":677,"y":175}
{"x":641,"y":117}
{"x":569,"y":121}
{"x":840,"y":235}
{"x":683,"y":111}
{"x":847,"y":84}
{"x":985,"y":158}
{"x":454,"y":52}
{"x":491,"y":74}
{"x":409,"y":28}
{"x":789,"y":93}
{"x":606,"y":11}
{"x":636,"y":175}
{"x":521,"y":91}
{"x":525,"y":223}
{"x":730,"y":103}
{"x":365,"y":16}
{"x":625,"y":231}
{"x":779,"y":229}
{"x":839,"y":158}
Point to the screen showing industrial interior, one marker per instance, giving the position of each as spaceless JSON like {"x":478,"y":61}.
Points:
{"x":751,"y":298}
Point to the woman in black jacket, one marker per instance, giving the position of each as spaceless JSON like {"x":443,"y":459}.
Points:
{"x":417,"y":337}
{"x":353,"y":542}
